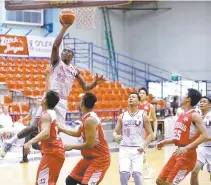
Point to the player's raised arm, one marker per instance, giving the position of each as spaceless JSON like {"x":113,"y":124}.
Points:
{"x":117,"y":131}
{"x":87,"y":87}
{"x":56,"y":45}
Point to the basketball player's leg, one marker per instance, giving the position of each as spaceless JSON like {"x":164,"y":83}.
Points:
{"x":137,"y":166}
{"x":201,"y":160}
{"x":77,"y":174}
{"x":162,"y":178}
{"x":184,"y":165}
{"x":147,"y":167}
{"x":124,"y":165}
{"x":49,"y":169}
{"x":22,"y":134}
{"x":25,"y":156}
{"x":209,"y":161}
{"x":71,"y":181}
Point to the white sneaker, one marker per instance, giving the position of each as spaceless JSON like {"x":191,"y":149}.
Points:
{"x":149,"y":171}
{"x":2,"y":153}
{"x":4,"y":149}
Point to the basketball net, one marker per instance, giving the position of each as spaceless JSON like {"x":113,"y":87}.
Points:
{"x":85,"y":17}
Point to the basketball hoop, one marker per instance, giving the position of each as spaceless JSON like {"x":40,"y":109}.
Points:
{"x":84,"y":9}
{"x":85,"y":17}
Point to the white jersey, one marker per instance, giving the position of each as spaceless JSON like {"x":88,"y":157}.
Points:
{"x":207,"y":123}
{"x":62,"y":78}
{"x":133,"y":129}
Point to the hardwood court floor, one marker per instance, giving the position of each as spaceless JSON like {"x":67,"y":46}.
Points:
{"x":24,"y":174}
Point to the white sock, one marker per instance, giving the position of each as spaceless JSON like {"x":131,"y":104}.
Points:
{"x":13,"y":139}
{"x":146,"y":165}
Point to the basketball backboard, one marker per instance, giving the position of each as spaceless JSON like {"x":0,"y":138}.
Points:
{"x":43,"y":4}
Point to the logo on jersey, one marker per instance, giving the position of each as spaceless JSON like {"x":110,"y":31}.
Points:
{"x":180,"y":126}
{"x":146,"y":108}
{"x":185,"y":119}
{"x":138,"y":123}
{"x":43,"y":181}
{"x":129,"y":123}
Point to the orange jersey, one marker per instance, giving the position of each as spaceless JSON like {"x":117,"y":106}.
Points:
{"x":146,"y":106}
{"x":185,"y":131}
{"x":101,"y":149}
{"x":53,"y":145}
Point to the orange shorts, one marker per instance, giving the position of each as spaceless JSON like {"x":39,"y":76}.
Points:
{"x":49,"y":169}
{"x":178,"y":167}
{"x":89,"y":171}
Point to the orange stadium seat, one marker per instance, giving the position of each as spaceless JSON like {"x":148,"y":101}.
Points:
{"x":27,"y":92}
{"x":25,"y":108}
{"x":112,"y":84}
{"x":118,"y":84}
{"x":2,"y":78}
{"x":7,"y":99}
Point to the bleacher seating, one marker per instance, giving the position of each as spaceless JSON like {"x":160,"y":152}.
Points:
{"x":27,"y":76}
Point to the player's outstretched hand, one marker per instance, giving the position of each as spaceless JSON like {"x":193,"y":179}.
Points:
{"x":180,"y":150}
{"x":99,"y":79}
{"x":118,"y":138}
{"x":65,"y":25}
{"x":160,"y":145}
{"x":68,"y":147}
{"x":27,"y":147}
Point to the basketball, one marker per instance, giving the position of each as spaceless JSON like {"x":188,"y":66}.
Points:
{"x":67,"y":16}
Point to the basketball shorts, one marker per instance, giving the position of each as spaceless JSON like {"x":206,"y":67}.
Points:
{"x":178,"y":167}
{"x":130,"y":160}
{"x":61,"y":110}
{"x":89,"y":171}
{"x":49,"y":169}
{"x":204,"y":156}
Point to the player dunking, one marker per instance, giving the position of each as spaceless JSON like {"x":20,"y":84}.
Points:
{"x":52,"y":148}
{"x":204,"y":149}
{"x":150,"y":111}
{"x":129,"y":132}
{"x":62,"y":77}
{"x":94,"y":149}
{"x":189,"y":132}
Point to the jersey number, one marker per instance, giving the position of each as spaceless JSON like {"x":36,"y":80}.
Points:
{"x":127,"y":132}
{"x":177,"y":134}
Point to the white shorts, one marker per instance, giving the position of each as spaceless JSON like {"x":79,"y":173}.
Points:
{"x":204,"y":156}
{"x":130,"y":160}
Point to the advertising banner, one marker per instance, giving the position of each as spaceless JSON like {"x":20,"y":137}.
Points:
{"x":13,"y":45}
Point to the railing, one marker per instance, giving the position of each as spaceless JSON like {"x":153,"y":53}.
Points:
{"x":131,"y":72}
